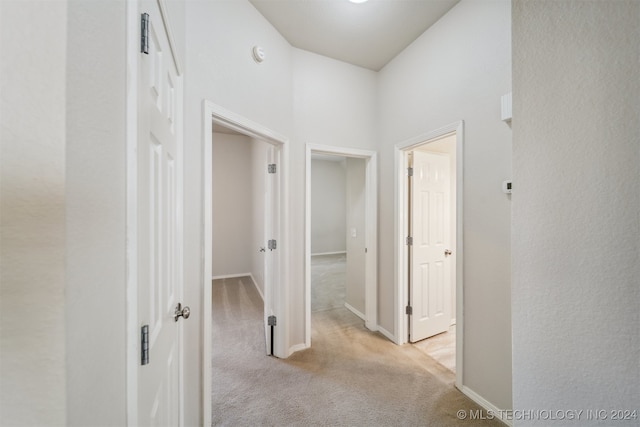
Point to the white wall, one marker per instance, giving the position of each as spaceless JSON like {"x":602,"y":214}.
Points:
{"x":576,"y":245}
{"x":334,"y":103}
{"x":328,"y":206}
{"x":459,"y":69}
{"x":32,"y":212}
{"x":356,"y":221}
{"x":96,"y":213}
{"x":232,"y":209}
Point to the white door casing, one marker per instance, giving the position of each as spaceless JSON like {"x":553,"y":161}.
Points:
{"x":430,"y":284}
{"x":159,"y":224}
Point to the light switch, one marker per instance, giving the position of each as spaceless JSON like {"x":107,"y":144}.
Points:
{"x":354,"y":233}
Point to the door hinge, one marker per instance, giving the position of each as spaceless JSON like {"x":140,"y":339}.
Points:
{"x":144,"y":345}
{"x":271,"y":168}
{"x":272,"y":244}
{"x":409,"y":241}
{"x":409,"y":171}
{"x":144,"y":33}
{"x":409,"y":310}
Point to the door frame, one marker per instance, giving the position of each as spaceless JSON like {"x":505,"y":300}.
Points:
{"x":402,"y":227}
{"x":276,"y":291}
{"x":371,"y":233}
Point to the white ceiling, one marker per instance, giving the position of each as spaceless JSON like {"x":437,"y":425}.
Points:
{"x":368,"y":34}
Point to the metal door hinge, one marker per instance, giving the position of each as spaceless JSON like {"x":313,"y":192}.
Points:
{"x":144,"y":33}
{"x":409,"y":241}
{"x":410,"y":171}
{"x":409,"y":310}
{"x":272,"y":244}
{"x":271,"y":321}
{"x":271,"y":168}
{"x":144,"y":345}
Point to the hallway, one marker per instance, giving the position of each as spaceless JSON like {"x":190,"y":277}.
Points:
{"x":350,"y":376}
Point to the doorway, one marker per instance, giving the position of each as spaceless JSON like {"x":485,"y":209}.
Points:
{"x":276,"y":247}
{"x":359,"y":234}
{"x":429,"y":245}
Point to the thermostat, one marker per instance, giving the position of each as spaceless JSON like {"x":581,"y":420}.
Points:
{"x":506,"y":187}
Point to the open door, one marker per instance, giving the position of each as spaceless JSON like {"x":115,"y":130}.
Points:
{"x":430,"y":231}
{"x":271,"y":263}
{"x":159,"y":225}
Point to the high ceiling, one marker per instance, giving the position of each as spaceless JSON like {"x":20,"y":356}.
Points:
{"x":368,"y":34}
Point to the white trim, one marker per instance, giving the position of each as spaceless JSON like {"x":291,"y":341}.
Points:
{"x":276,"y":295}
{"x":401,"y":251}
{"x":371,"y":239}
{"x":133,"y":47}
{"x":354,"y":310}
{"x":329,"y":253}
{"x":297,"y":347}
{"x":235,"y":276}
{"x":490,"y":408}
{"x":230,"y":276}
{"x":386,"y":333}
{"x":164,"y":12}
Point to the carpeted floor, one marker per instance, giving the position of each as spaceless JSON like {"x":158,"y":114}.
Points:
{"x":349,"y":377}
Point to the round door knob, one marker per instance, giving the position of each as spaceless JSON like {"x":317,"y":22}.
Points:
{"x":447,"y":252}
{"x":181,"y":312}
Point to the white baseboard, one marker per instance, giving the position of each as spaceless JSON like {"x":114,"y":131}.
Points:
{"x":230,"y":276}
{"x":329,"y":253}
{"x":487,"y":406}
{"x":235,"y":276}
{"x":387,"y":334}
{"x":354,"y":311}
{"x":297,"y":347}
{"x":253,"y":279}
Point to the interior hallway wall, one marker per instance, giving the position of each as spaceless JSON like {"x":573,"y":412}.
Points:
{"x":32,"y":212}
{"x":458,"y":70}
{"x":356,"y":233}
{"x":232,"y":209}
{"x":328,"y":206}
{"x":576,"y":204}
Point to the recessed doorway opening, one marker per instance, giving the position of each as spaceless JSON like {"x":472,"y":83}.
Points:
{"x":429,"y":245}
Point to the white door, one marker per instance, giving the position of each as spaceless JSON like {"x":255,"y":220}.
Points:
{"x":159,"y":225}
{"x":430,"y":289}
{"x":271,"y":216}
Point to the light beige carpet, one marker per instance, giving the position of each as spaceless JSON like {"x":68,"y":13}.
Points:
{"x":349,"y":377}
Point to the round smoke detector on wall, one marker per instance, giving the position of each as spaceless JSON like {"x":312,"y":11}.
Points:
{"x":258,"y":54}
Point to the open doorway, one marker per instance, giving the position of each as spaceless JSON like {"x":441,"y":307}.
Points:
{"x":338,"y":259}
{"x":429,"y":245}
{"x":273,"y":218}
{"x":341,"y":226}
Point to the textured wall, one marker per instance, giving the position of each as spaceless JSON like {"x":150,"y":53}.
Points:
{"x":576,"y":204}
{"x":96,"y":213}
{"x":32,"y":210}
